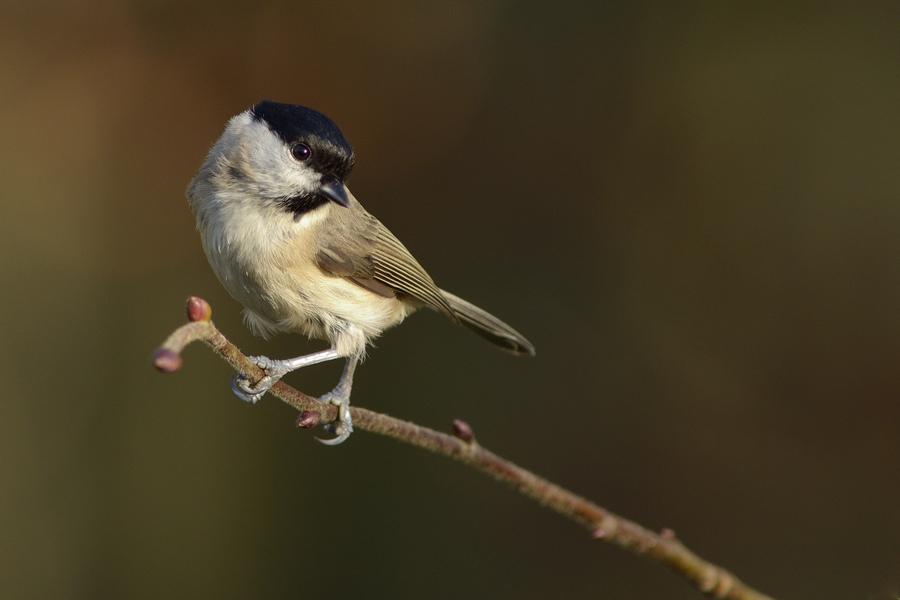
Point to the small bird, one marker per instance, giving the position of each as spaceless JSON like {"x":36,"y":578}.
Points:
{"x":290,"y":242}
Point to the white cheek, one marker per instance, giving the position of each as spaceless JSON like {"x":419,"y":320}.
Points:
{"x":276,"y":173}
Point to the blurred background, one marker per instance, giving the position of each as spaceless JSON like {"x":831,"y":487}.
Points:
{"x":692,"y":211}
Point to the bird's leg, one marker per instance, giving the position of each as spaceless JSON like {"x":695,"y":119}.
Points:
{"x":340,"y":397}
{"x":275,"y":370}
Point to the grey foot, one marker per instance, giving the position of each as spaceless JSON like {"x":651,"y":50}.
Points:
{"x":342,"y":427}
{"x":243,"y":389}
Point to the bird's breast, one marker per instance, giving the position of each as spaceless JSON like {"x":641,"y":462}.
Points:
{"x":270,"y":268}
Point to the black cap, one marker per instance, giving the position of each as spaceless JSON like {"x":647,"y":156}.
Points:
{"x":331,"y":153}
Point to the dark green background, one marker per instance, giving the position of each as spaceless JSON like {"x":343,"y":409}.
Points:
{"x":692,"y":210}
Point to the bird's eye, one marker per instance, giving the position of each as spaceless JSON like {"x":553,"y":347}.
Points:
{"x":301,"y":152}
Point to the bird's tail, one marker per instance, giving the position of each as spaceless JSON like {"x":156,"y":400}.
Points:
{"x":488,"y":326}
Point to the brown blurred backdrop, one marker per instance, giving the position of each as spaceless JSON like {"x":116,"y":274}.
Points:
{"x":692,"y":211}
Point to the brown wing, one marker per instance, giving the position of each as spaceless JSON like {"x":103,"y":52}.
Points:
{"x":368,"y":254}
{"x":396,"y":267}
{"x":359,"y":268}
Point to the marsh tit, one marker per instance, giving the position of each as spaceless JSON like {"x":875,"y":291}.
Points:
{"x":289,"y":241}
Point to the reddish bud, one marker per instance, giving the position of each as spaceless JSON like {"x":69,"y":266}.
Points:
{"x":308,"y":419}
{"x":198,"y":309}
{"x":667,"y":534}
{"x":167,"y":361}
{"x":463,"y":431}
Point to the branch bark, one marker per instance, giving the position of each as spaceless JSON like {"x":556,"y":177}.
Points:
{"x":662,"y":547}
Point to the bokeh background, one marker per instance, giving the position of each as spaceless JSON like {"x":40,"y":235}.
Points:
{"x":692,"y":210}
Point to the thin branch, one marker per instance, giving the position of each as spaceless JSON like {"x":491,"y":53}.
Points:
{"x":662,"y":547}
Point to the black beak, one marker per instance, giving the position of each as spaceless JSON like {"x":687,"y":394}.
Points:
{"x":333,"y":188}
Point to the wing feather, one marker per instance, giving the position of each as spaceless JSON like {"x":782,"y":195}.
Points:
{"x":367,"y":253}
{"x":395,"y":266}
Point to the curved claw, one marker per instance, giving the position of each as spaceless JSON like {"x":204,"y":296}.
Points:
{"x":243,"y":391}
{"x":340,"y":439}
{"x":343,"y":426}
{"x":273,"y":369}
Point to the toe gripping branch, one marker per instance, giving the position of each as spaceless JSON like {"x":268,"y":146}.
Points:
{"x":200,"y":328}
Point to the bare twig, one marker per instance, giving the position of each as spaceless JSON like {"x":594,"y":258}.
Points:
{"x":662,"y":547}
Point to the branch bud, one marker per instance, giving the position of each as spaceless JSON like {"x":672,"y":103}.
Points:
{"x":308,"y":419}
{"x":463,"y":431}
{"x":167,"y":361}
{"x":198,"y":309}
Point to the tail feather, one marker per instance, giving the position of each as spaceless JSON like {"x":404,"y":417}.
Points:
{"x":488,"y":326}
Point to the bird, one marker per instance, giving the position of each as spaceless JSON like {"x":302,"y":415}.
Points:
{"x":290,"y":242}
